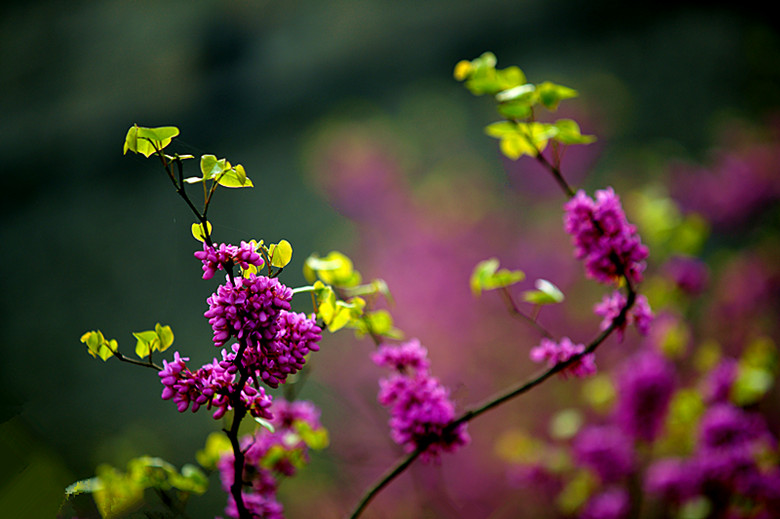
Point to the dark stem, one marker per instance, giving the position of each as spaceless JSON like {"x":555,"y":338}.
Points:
{"x":385,"y":480}
{"x":239,"y":412}
{"x":148,"y":364}
{"x":556,"y":173}
{"x":516,"y":312}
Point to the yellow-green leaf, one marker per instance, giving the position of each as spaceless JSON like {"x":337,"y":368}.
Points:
{"x":148,"y":141}
{"x":280,"y":253}
{"x":198,"y":233}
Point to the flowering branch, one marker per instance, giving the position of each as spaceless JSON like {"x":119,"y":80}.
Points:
{"x":495,"y":401}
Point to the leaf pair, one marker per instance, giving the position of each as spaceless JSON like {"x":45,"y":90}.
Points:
{"x":531,"y":138}
{"x":159,"y":339}
{"x":487,"y":276}
{"x":221,"y":172}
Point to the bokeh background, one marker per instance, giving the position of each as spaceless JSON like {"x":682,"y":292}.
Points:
{"x":346,"y":117}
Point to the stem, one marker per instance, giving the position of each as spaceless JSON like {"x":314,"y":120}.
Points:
{"x":516,"y":312}
{"x":385,"y":480}
{"x":556,"y":173}
{"x":148,"y":364}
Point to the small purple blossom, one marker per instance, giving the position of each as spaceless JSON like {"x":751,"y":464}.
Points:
{"x":645,"y":386}
{"x":420,"y":407}
{"x":213,"y":385}
{"x":225,"y":256}
{"x":554,"y":353}
{"x":603,"y":238}
{"x":400,"y":358}
{"x":606,"y":450}
{"x":640,"y":314}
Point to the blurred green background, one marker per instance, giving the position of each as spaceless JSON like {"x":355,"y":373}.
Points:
{"x":92,"y":239}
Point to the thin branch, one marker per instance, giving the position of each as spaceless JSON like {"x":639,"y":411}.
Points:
{"x":385,"y":480}
{"x":515,"y":311}
{"x":148,"y":364}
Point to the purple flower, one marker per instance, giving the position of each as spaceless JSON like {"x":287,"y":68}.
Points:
{"x":225,"y":256}
{"x":689,"y":274}
{"x":555,"y":353}
{"x":213,"y":385}
{"x":607,"y":450}
{"x":639,"y":314}
{"x":603,"y":238}
{"x":645,"y":387}
{"x":247,"y":309}
{"x":273,"y":360}
{"x":420,"y":407}
{"x":613,"y":503}
{"x":403,"y":357}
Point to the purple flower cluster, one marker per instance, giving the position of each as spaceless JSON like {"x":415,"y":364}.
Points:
{"x":554,"y":353}
{"x":247,"y":309}
{"x":213,"y":385}
{"x":272,"y":340}
{"x":640,"y":314}
{"x":225,"y":256}
{"x":603,"y":238}
{"x":420,"y":407}
{"x":269,"y":456}
{"x":726,"y":464}
{"x":272,"y":361}
{"x":645,"y":387}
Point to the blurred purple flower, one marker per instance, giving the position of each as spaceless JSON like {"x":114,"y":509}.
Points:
{"x":606,"y":450}
{"x":613,"y":503}
{"x":645,"y":386}
{"x":689,"y":274}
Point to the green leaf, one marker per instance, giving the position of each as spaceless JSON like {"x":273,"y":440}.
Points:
{"x":486,"y":276}
{"x":280,"y":253}
{"x":265,"y":424}
{"x":84,"y":486}
{"x":545,"y":294}
{"x":146,"y":342}
{"x":569,"y":133}
{"x":148,"y":141}
{"x":378,"y":323}
{"x":98,"y":346}
{"x":518,"y":93}
{"x":217,"y":445}
{"x":315,"y":439}
{"x":198,"y":233}
{"x":234,"y":177}
{"x":551,"y":94}
{"x":211,"y":167}
{"x":334,"y":269}
{"x":165,"y":335}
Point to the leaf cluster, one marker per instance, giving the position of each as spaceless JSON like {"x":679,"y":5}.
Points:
{"x":116,"y":493}
{"x":340,"y":297}
{"x":520,"y":134}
